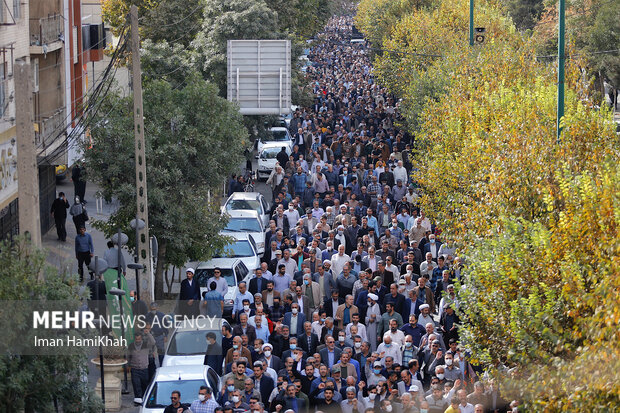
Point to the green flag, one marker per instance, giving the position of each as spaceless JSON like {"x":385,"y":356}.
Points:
{"x":111,"y":280}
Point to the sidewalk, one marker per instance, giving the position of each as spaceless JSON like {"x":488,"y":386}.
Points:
{"x":62,"y":255}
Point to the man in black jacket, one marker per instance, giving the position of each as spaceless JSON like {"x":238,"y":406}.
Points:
{"x":282,"y":157}
{"x":189,"y":297}
{"x":262,"y":381}
{"x":59,"y":212}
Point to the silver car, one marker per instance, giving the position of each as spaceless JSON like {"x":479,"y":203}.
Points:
{"x":233,"y":271}
{"x":249,"y":201}
{"x":246,"y":222}
{"x":184,"y":379}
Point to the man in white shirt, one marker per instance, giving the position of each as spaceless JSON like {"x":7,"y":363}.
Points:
{"x":389,"y":349}
{"x":396,"y":336}
{"x":371,"y":259}
{"x":222,"y":285}
{"x":427,"y":267}
{"x":338,"y":261}
{"x":242,"y":294}
{"x":400,"y":173}
{"x":361,"y":328}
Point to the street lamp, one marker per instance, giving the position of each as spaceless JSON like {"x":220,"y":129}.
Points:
{"x":120,"y":239}
{"x":100,"y":266}
{"x":137,"y":267}
{"x":119,"y":292}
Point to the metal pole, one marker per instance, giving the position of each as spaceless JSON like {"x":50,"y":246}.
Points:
{"x":120,"y":301}
{"x":100,"y":332}
{"x":561,"y":62}
{"x":143,"y":248}
{"x":471,"y":22}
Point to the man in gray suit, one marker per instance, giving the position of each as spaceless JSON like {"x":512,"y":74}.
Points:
{"x":325,"y":280}
{"x":330,"y":355}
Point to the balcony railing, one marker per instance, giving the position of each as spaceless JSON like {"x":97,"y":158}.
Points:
{"x":46,"y":30}
{"x":50,"y":128}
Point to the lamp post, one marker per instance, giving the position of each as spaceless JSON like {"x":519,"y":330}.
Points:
{"x":120,"y":239}
{"x":100,"y":266}
{"x":120,"y":293}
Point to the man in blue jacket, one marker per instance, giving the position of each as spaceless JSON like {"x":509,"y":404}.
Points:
{"x":84,"y":250}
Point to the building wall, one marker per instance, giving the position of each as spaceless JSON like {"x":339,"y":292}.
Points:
{"x":14,"y":44}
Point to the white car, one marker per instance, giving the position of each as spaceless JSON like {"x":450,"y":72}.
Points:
{"x":244,"y":248}
{"x":233,"y":270}
{"x":188,"y":342}
{"x":267,"y":159}
{"x":249,"y":201}
{"x":185,"y":379}
{"x":246,"y":222}
{"x":278,"y":135}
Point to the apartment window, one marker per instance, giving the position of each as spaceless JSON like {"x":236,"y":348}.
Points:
{"x":16,"y":9}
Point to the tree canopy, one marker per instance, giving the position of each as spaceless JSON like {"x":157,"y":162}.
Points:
{"x":31,"y":383}
{"x":194,"y":141}
{"x":535,"y":219}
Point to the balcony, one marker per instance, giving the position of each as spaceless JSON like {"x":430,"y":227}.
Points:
{"x":46,"y":34}
{"x":49,"y":128}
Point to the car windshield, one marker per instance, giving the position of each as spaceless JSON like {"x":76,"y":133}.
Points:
{"x":162,"y":390}
{"x":205,"y":274}
{"x":243,"y":225}
{"x":193,"y":342}
{"x":241,"y":248}
{"x":276,"y":136}
{"x":243,"y":204}
{"x":270,"y":153}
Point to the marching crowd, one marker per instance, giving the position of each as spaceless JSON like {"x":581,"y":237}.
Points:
{"x":353,"y":307}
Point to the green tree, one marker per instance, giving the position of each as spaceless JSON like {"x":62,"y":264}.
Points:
{"x":524,"y":13}
{"x":194,"y":141}
{"x":231,"y":20}
{"x":30,"y":383}
{"x":172,"y":63}
{"x":174,"y":21}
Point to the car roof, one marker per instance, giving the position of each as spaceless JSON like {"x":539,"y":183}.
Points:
{"x":277,"y":128}
{"x":184,"y":372}
{"x":200,"y":324}
{"x":246,"y":195}
{"x":272,"y":145}
{"x":223,"y":262}
{"x":242,"y":213}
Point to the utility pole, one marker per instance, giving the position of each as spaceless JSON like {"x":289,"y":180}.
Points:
{"x":561,"y":62}
{"x":143,"y":246}
{"x":27,"y":168}
{"x":471,"y":22}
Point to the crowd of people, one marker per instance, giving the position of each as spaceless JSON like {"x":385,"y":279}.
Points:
{"x":353,"y":307}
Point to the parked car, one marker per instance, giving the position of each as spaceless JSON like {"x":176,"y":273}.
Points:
{"x":247,"y":222}
{"x":267,"y":159}
{"x":277,"y":134}
{"x":233,"y":270}
{"x":185,"y":379}
{"x":249,"y":201}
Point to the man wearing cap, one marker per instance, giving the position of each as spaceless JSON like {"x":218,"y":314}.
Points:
{"x":374,"y":376}
{"x":189,"y":297}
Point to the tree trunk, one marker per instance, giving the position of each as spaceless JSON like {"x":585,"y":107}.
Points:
{"x":159,"y":270}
